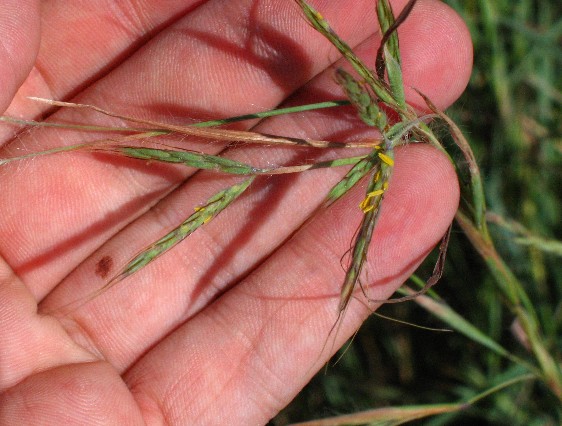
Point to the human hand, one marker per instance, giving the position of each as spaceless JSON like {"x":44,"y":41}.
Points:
{"x":230,"y":325}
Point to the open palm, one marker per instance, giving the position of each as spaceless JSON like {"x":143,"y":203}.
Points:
{"x":229,"y":326}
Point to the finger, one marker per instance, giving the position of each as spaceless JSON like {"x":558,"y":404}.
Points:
{"x":252,"y":350}
{"x":209,"y":261}
{"x":83,"y":41}
{"x":89,"y":198}
{"x":30,"y":343}
{"x":19,"y":35}
{"x":444,"y":34}
{"x":74,"y":394}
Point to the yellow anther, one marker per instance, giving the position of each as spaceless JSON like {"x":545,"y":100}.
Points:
{"x":386,"y":159}
{"x":375,"y":193}
{"x":199,"y":208}
{"x":366,"y":205}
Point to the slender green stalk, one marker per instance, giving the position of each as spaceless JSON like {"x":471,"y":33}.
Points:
{"x":477,"y":190}
{"x":527,"y":237}
{"x":519,"y":303}
{"x":454,"y":320}
{"x":210,"y":123}
{"x":273,"y":113}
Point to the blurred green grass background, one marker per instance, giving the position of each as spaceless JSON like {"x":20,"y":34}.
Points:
{"x":511,"y":115}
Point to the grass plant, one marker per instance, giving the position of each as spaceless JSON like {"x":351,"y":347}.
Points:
{"x":503,"y":365}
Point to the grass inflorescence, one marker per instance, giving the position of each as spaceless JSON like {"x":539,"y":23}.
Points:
{"x":492,"y":371}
